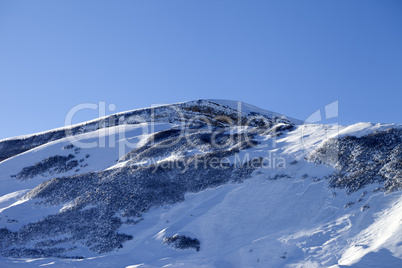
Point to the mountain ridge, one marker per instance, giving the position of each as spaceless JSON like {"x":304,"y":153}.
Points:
{"x":140,"y":115}
{"x":260,"y":192}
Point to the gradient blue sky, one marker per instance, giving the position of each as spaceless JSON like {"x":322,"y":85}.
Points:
{"x":291,"y":57}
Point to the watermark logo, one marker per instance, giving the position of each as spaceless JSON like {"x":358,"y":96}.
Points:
{"x":320,"y":127}
{"x":167,"y":129}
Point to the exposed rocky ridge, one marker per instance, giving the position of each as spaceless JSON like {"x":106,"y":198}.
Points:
{"x":192,"y":113}
{"x":52,"y":165}
{"x":374,"y":158}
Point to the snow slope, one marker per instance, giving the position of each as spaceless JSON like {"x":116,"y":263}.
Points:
{"x":282,"y":215}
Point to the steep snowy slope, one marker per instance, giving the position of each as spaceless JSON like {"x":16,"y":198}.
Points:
{"x":201,"y":184}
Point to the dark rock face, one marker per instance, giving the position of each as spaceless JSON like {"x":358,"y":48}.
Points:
{"x":375,"y":158}
{"x":53,"y":165}
{"x":182,"y":242}
{"x":9,"y":148}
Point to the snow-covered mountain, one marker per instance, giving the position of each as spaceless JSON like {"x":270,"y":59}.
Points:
{"x":207,"y":183}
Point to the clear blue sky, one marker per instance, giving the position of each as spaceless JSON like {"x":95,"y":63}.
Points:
{"x":291,"y":57}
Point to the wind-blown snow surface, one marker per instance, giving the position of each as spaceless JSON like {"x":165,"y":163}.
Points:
{"x":284,"y":214}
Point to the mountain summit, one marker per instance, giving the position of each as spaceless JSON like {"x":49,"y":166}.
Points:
{"x":206,"y":183}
